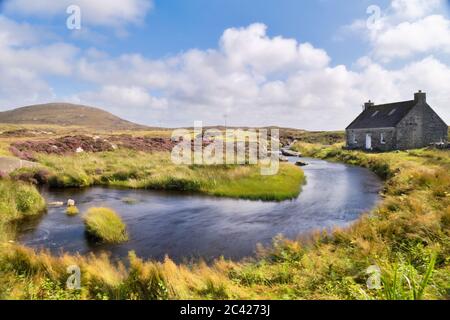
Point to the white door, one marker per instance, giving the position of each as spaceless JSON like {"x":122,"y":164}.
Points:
{"x":368,"y":141}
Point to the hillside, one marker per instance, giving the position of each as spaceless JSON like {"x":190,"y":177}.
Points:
{"x":66,"y":114}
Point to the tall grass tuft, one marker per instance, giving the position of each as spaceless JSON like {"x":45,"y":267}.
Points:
{"x":72,"y":211}
{"x":105,"y":225}
{"x":404,"y":282}
{"x":19,"y":199}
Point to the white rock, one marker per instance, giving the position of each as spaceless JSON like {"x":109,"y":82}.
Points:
{"x":56,"y":204}
{"x":70,"y":203}
{"x":79,"y":150}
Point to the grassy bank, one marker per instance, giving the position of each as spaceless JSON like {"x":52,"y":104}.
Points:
{"x":18,"y":200}
{"x":407,"y":237}
{"x":133,"y":169}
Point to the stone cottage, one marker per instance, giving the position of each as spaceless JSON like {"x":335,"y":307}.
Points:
{"x":397,"y":126}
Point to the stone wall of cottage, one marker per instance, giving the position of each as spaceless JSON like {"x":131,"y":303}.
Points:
{"x":421,"y":127}
{"x":389,"y":142}
{"x":434,"y":128}
{"x":410,"y":129}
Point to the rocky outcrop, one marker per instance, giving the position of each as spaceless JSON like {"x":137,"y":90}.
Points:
{"x":290,"y":153}
{"x":8,"y":165}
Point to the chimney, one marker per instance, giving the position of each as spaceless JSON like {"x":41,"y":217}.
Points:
{"x":368,"y":105}
{"x":420,"y":96}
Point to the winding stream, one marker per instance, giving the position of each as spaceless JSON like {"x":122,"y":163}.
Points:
{"x":187,"y":226}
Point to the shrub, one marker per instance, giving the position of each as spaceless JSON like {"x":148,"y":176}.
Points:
{"x":36,"y":176}
{"x":3,"y":174}
{"x":125,"y":175}
{"x":445,"y":219}
{"x":176,"y":184}
{"x":105,"y":225}
{"x":71,"y":179}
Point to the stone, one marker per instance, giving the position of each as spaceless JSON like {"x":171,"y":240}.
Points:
{"x":290,"y":153}
{"x":301,"y":164}
{"x":70,"y":203}
{"x":56,"y":204}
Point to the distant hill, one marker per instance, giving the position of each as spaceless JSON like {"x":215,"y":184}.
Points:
{"x":67,"y":114}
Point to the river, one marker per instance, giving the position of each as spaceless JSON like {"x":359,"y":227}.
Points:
{"x":186,"y":226}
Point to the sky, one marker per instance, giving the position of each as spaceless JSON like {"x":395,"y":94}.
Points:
{"x":300,"y":64}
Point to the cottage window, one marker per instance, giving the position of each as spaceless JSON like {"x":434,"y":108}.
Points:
{"x":375,"y":113}
{"x":382,"y":139}
{"x":354,"y":139}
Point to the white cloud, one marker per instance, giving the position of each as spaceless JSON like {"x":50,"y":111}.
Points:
{"x":430,"y":34}
{"x":251,"y":47}
{"x":253,"y":78}
{"x":258,"y":80}
{"x":413,"y":9}
{"x":24,"y":63}
{"x":407,"y":28}
{"x":134,"y":103}
{"x":15,"y":34}
{"x":19,"y":87}
{"x":116,"y":13}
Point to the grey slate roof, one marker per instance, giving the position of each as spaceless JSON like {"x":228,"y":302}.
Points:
{"x":383,"y":115}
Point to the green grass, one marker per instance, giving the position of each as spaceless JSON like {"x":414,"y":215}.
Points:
{"x":72,"y":211}
{"x":105,"y":225}
{"x":18,"y":200}
{"x":403,"y":282}
{"x":320,"y":137}
{"x":255,"y":186}
{"x":407,"y":236}
{"x":131,"y":169}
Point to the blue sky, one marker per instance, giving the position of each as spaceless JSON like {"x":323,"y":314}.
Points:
{"x":306,"y":64}
{"x":172,"y":26}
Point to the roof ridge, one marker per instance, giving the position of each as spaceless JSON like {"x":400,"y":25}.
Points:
{"x":391,"y":103}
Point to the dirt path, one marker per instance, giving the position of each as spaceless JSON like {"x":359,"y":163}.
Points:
{"x":10,"y":164}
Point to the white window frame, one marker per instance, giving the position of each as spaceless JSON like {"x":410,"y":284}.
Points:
{"x":354,"y":141}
